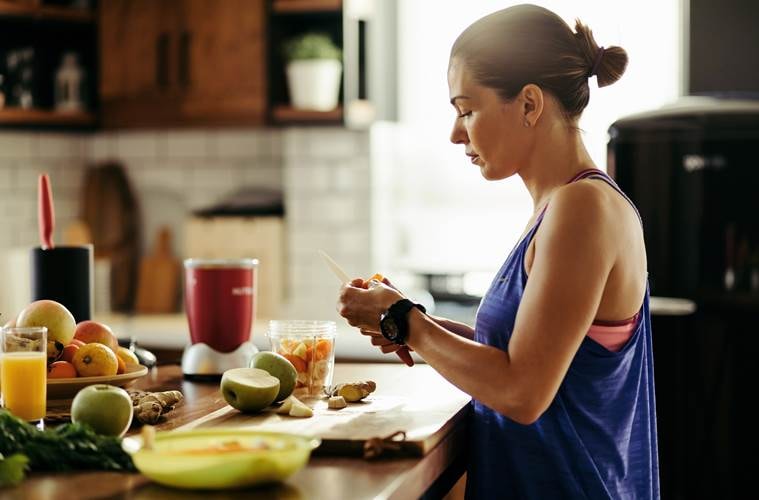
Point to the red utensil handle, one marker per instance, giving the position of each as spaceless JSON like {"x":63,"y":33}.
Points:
{"x":45,"y":213}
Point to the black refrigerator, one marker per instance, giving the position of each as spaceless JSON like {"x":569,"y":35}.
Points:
{"x":692,"y":169}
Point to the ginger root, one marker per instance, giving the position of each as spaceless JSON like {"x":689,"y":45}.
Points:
{"x":355,"y":391}
{"x":336,"y":403}
{"x":148,"y":407}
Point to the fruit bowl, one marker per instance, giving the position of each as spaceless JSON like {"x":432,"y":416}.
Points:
{"x":219,"y":459}
{"x":66,"y":388}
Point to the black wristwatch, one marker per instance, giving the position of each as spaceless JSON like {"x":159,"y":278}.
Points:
{"x":394,"y":321}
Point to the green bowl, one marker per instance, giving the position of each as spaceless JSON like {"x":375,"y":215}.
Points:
{"x":220,"y":459}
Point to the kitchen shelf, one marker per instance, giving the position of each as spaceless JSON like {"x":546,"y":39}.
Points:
{"x":45,"y":12}
{"x":300,"y":6}
{"x":287,"y":114}
{"x":40,"y":117}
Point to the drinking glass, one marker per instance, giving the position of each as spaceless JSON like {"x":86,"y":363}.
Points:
{"x":23,"y":371}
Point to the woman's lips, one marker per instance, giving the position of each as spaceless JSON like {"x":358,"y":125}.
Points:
{"x":475,"y":159}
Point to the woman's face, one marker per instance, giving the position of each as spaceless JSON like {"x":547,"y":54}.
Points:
{"x":491,"y":129}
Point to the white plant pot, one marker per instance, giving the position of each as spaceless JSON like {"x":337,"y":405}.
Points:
{"x":314,"y":83}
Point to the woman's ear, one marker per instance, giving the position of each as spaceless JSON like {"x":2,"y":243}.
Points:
{"x":532,"y":104}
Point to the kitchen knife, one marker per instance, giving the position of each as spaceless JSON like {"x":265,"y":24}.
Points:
{"x":344,"y":278}
{"x":45,"y":212}
{"x":336,"y":269}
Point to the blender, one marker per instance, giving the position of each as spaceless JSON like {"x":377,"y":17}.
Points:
{"x":220,"y":296}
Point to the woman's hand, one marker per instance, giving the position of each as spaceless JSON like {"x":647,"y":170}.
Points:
{"x":362,"y":307}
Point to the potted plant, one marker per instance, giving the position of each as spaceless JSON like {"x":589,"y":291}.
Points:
{"x":313,"y":71}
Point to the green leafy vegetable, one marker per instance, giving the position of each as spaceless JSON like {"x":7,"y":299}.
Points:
{"x":66,"y":447}
{"x":12,"y":469}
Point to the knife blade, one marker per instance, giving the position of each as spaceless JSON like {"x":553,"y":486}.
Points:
{"x":335,"y":268}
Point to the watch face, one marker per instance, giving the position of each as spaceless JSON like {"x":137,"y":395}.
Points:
{"x":389,"y":328}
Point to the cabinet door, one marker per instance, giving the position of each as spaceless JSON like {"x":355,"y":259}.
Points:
{"x":137,"y":39}
{"x":222,"y":61}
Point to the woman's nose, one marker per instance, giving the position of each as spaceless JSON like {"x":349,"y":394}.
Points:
{"x":458,"y":134}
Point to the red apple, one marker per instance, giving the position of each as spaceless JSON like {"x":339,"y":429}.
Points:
{"x":92,"y":331}
{"x":58,"y":320}
{"x":69,"y":351}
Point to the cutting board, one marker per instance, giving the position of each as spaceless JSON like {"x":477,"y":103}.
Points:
{"x":158,"y":282}
{"x":415,"y":400}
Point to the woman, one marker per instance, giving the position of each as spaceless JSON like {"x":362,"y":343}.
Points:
{"x":559,"y":363}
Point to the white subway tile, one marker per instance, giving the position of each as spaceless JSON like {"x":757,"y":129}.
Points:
{"x":6,"y":237}
{"x":165,"y":177}
{"x":264,"y":175}
{"x":136,"y":145}
{"x":187,"y":144}
{"x":16,"y":144}
{"x":200,"y":199}
{"x":212,"y":176}
{"x":21,"y":206}
{"x":57,"y":146}
{"x":246,"y":143}
{"x":353,"y":240}
{"x":7,"y":175}
{"x":337,"y":142}
{"x":330,"y":212}
{"x":27,"y":174}
{"x":101,"y":147}
{"x":294,"y":143}
{"x":67,"y":176}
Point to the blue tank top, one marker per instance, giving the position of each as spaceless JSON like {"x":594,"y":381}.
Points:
{"x":596,"y":440}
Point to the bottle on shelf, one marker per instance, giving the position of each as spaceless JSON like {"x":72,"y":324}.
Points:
{"x":69,"y":82}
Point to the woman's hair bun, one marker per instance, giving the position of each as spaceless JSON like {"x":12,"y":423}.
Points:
{"x":613,"y":60}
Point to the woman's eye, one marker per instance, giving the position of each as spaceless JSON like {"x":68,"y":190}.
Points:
{"x":463,"y":115}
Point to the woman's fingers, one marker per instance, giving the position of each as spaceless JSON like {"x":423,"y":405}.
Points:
{"x":380,"y":341}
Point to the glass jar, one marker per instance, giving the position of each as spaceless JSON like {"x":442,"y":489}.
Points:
{"x":310,"y":347}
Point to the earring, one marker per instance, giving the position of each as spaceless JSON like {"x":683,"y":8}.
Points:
{"x":526,"y":123}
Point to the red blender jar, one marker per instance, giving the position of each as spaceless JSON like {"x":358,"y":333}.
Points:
{"x":220,"y":298}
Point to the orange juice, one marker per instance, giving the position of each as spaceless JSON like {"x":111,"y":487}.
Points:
{"x":24,"y":383}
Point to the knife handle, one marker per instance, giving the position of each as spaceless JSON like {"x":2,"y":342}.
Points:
{"x":45,"y":213}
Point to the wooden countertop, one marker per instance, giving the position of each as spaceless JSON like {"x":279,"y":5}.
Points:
{"x":324,"y":477}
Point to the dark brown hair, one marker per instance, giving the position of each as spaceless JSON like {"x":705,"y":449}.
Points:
{"x":524,"y":44}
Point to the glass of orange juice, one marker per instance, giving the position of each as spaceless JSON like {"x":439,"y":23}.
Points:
{"x":23,"y":371}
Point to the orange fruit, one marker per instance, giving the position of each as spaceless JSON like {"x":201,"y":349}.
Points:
{"x":122,"y":366}
{"x":93,"y":360}
{"x":127,"y":356}
{"x":323,"y":348}
{"x":297,"y":361}
{"x":61,"y":369}
{"x":76,"y":342}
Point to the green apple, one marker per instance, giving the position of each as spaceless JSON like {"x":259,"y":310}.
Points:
{"x":249,"y":389}
{"x":105,"y":408}
{"x":277,"y":366}
{"x":58,"y":320}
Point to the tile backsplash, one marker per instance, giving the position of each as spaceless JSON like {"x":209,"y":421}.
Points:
{"x":324,"y":174}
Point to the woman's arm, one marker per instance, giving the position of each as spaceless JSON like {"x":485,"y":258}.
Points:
{"x":573,"y":258}
{"x":460,"y":329}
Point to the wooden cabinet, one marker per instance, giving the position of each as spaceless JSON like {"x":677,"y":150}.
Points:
{"x":41,"y":33}
{"x":182,"y":62}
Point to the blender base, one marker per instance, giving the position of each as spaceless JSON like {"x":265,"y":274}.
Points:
{"x":201,"y":361}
